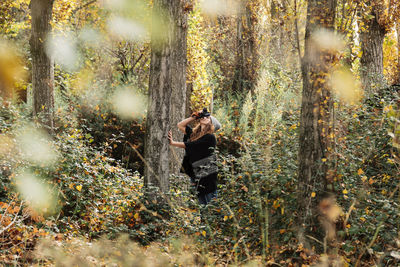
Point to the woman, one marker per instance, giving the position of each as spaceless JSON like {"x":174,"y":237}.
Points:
{"x":200,"y":160}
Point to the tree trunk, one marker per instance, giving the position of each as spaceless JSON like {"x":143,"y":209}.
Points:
{"x":42,"y":64}
{"x":167,"y":85}
{"x":247,"y":54}
{"x":277,"y":48}
{"x":372,"y":53}
{"x":178,"y":78}
{"x":397,"y":80}
{"x":189,"y":90}
{"x":315,"y":125}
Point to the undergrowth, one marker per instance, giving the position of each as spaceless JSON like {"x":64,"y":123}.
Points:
{"x":253,"y":220}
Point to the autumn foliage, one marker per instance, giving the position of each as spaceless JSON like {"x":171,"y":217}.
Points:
{"x":75,"y":194}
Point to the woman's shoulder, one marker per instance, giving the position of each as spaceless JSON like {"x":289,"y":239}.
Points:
{"x":210,"y":136}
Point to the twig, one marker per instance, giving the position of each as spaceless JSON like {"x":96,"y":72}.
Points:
{"x":376,"y":231}
{"x":2,"y":216}
{"x":348,"y":214}
{"x":370,"y":243}
{"x":82,"y":7}
{"x":151,"y":170}
{"x":13,"y":221}
{"x":296,"y":26}
{"x":316,"y":240}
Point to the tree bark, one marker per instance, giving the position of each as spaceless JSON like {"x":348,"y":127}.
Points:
{"x":315,"y":125}
{"x":42,"y":64}
{"x":372,"y":52}
{"x":397,"y":80}
{"x":277,"y":31}
{"x":167,"y":85}
{"x":189,"y":90}
{"x":247,"y":54}
{"x":178,"y":78}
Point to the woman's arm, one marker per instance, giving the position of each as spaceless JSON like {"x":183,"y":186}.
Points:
{"x":182,"y":124}
{"x":174,"y":143}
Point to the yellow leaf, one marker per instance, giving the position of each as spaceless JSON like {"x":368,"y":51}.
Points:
{"x":276,"y":204}
{"x":225,"y":218}
{"x":345,"y":191}
{"x":204,"y":233}
{"x":313,"y":194}
{"x":360,"y":171}
{"x":323,"y":159}
{"x":136,"y":216}
{"x":79,"y":187}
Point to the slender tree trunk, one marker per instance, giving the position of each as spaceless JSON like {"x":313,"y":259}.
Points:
{"x":277,"y":31}
{"x":397,"y":80}
{"x":372,"y":53}
{"x":167,"y":85}
{"x":247,"y":54}
{"x":189,"y":90}
{"x":42,"y":64}
{"x":315,"y":125}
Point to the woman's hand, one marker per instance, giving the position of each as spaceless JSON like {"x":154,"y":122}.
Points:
{"x":170,"y":139}
{"x":174,"y":143}
{"x":195,"y":115}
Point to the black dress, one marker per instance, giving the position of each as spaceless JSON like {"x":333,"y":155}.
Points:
{"x":199,"y":162}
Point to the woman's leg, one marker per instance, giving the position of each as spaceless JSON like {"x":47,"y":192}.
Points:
{"x":204,"y":199}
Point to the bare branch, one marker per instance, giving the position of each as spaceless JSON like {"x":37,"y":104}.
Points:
{"x":82,"y":7}
{"x":13,"y":221}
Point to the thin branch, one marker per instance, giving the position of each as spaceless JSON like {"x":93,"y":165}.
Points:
{"x":82,"y":7}
{"x":2,"y":216}
{"x":152,"y":171}
{"x":296,"y":26}
{"x":348,"y":214}
{"x":13,"y":221}
{"x":351,"y":19}
{"x":316,"y":240}
{"x":370,"y":244}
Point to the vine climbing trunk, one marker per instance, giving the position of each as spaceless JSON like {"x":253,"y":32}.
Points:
{"x":315,"y":118}
{"x":167,"y":88}
{"x":42,"y":64}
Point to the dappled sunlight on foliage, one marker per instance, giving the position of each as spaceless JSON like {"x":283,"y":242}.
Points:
{"x":128,"y":104}
{"x":63,"y":48}
{"x":346,"y":87}
{"x":220,"y":7}
{"x":12,"y":71}
{"x":198,"y":62}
